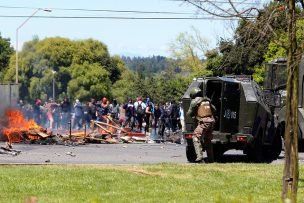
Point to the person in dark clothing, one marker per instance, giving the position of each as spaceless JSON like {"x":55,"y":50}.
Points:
{"x":155,"y":120}
{"x":139,"y":107}
{"x":129,"y":114}
{"x":173,"y":113}
{"x":162,"y":123}
{"x":86,"y":115}
{"x":148,"y":114}
{"x":37,"y":111}
{"x":92,"y":109}
{"x":157,"y":114}
{"x":66,"y":113}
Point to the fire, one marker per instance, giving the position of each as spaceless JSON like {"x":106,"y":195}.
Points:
{"x":18,"y":128}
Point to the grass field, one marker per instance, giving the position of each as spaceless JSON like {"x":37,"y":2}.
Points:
{"x":218,"y":183}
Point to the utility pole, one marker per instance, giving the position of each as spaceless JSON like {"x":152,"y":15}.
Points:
{"x":54,"y":85}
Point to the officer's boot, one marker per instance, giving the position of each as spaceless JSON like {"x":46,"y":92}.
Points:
{"x":209,"y":149}
{"x":198,"y":149}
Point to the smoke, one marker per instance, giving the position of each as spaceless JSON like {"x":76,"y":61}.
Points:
{"x":3,"y":122}
{"x":9,"y":98}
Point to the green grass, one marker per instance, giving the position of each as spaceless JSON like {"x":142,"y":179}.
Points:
{"x":236,"y":183}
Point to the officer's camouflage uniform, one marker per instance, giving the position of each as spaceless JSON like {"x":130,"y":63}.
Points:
{"x":202,"y":110}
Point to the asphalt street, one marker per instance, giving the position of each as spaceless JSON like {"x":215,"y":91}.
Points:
{"x":112,"y":154}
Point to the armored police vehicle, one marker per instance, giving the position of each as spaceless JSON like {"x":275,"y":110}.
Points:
{"x":275,"y":83}
{"x":243,"y":120}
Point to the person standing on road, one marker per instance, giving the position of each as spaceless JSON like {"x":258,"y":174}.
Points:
{"x":92,"y":109}
{"x":50,"y":110}
{"x":114,"y":109}
{"x":202,"y":109}
{"x":37,"y":111}
{"x":129,"y":114}
{"x":78,"y":112}
{"x":139,"y":107}
{"x":181,"y":119}
{"x":103,"y":110}
{"x":66,"y":113}
{"x":148,"y":114}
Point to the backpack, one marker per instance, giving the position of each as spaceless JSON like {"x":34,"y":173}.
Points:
{"x":139,"y":109}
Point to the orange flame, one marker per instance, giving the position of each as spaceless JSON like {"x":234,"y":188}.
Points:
{"x":18,"y":127}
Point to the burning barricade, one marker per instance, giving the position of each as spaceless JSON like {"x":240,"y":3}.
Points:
{"x":20,"y":130}
{"x":17,"y":129}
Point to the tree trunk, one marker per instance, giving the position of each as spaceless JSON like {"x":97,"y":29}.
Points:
{"x":291,"y":168}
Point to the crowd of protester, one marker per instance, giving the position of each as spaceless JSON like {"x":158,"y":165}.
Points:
{"x":140,"y":115}
{"x":158,"y":118}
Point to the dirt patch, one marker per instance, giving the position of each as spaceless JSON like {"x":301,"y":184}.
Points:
{"x":146,"y":173}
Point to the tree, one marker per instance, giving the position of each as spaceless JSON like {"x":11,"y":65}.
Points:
{"x":5,"y":53}
{"x":148,"y":65}
{"x":124,"y":87}
{"x":214,"y":61}
{"x":68,"y":58}
{"x":188,"y":49}
{"x":88,"y":81}
{"x":249,"y":14}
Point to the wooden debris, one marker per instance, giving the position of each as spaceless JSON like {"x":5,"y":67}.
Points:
{"x":139,"y":139}
{"x":38,"y":132}
{"x":10,"y":151}
{"x":126,"y":139}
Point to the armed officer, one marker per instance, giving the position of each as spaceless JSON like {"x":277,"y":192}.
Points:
{"x":202,"y":109}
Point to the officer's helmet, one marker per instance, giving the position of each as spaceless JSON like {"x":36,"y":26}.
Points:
{"x":195,"y":92}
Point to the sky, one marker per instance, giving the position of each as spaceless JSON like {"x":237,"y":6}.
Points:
{"x":129,"y":37}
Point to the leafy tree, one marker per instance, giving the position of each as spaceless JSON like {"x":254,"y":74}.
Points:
{"x":247,"y":48}
{"x":259,"y":74}
{"x":39,"y":58}
{"x":125,"y":87}
{"x":5,"y":53}
{"x":213,"y":62}
{"x":188,"y":49}
{"x":89,"y":80}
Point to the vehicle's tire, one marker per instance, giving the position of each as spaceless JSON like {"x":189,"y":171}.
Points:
{"x":301,"y":146}
{"x":190,"y":154}
{"x":256,"y":152}
{"x":218,"y":151}
{"x":276,"y":147}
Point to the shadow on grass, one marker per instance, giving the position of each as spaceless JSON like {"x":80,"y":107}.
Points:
{"x":243,"y":158}
{"x":233,"y":158}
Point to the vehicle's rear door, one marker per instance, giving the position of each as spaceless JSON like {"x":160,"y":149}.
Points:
{"x":230,"y":107}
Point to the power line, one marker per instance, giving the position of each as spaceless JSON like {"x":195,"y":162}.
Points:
{"x":101,"y":10}
{"x":123,"y":18}
{"x":222,"y":2}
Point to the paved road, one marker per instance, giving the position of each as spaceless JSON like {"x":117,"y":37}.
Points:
{"x":112,"y":154}
{"x":97,"y":154}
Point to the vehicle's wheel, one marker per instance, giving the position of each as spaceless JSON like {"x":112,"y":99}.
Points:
{"x":255,"y":153}
{"x":301,"y":146}
{"x":218,"y":151}
{"x":190,"y":153}
{"x":276,"y":147}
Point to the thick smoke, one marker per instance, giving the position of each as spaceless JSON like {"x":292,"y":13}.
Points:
{"x":9,"y":95}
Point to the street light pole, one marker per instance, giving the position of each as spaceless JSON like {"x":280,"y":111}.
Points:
{"x":53,"y":85}
{"x":17,"y":31}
